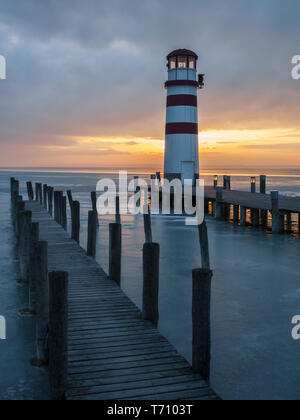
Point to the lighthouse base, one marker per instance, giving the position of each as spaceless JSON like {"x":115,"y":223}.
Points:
{"x":171,"y":176}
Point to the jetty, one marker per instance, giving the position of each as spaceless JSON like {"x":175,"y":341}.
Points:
{"x":272,"y":211}
{"x":95,"y":341}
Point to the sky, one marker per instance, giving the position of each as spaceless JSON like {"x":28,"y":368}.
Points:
{"x":85,"y":81}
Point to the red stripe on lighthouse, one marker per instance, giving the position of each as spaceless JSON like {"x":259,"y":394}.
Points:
{"x":182,"y":100}
{"x":181,"y":128}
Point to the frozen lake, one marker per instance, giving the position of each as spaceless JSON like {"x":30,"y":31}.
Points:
{"x":256,"y":292}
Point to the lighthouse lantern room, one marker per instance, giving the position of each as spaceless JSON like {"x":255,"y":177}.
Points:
{"x":181,"y":145}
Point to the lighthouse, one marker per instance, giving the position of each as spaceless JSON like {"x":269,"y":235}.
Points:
{"x":181,"y":144}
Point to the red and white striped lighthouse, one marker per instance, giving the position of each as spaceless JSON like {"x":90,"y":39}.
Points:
{"x":181,"y":145}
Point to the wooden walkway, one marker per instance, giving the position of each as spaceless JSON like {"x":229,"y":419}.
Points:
{"x":254,"y":200}
{"x":113,"y":352}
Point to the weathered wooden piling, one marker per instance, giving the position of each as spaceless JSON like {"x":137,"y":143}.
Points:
{"x":50,"y":200}
{"x":226,"y":182}
{"x":70,"y":199}
{"x":94,"y":205}
{"x":58,"y":334}
{"x":201,"y":322}
{"x":151,"y":255}
{"x":64,"y":212}
{"x":204,"y":245}
{"x":243,"y":216}
{"x":92,"y":234}
{"x":289,"y":222}
{"x":218,"y":205}
{"x":216,"y":179}
{"x":45,"y":187}
{"x":147,"y":224}
{"x":255,"y":217}
{"x":14,"y":188}
{"x":19,"y":211}
{"x":36,"y":191}
{"x":253,"y":184}
{"x":56,"y":206}
{"x":76,"y":221}
{"x":115,"y":252}
{"x":60,"y":207}
{"x":25,"y":242}
{"x":263,"y":184}
{"x":34,"y":274}
{"x":236,"y":214}
{"x":40,"y":193}
{"x":118,"y":216}
{"x":42,"y":302}
{"x":277,"y":217}
{"x":12,"y":180}
{"x":30,"y":191}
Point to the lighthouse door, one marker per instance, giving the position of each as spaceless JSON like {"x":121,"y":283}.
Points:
{"x":188,"y":171}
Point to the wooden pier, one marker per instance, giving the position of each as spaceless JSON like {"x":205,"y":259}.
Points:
{"x":112,"y":352}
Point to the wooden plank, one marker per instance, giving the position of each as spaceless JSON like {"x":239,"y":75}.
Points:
{"x":113,"y":352}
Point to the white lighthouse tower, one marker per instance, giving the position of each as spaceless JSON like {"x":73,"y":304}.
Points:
{"x":181,"y":145}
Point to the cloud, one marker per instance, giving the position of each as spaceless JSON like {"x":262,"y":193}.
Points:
{"x":97,"y":69}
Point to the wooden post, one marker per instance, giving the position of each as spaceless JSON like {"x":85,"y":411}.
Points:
{"x":42,"y":302}
{"x":94,"y":204}
{"x":12,"y":180}
{"x":60,"y":207}
{"x":204,"y":245}
{"x":236,"y":214}
{"x":30,"y":191}
{"x":115,"y":252}
{"x":201,"y":322}
{"x":151,"y":253}
{"x":15,"y":188}
{"x":263,"y":184}
{"x":20,"y":210}
{"x":70,"y":198}
{"x":216,"y":178}
{"x":45,"y":187}
{"x":243,"y":216}
{"x":255,"y":217}
{"x":40,"y":193}
{"x":50,"y":200}
{"x":253,"y":184}
{"x":56,"y":206}
{"x":289,"y":221}
{"x":228,"y":183}
{"x":33,"y":272}
{"x":277,"y":218}
{"x":64,"y":212}
{"x":92,"y":234}
{"x":36,"y":191}
{"x":14,"y":207}
{"x":76,"y":221}
{"x":218,"y":203}
{"x":118,"y":216}
{"x":147,"y":224}
{"x":25,"y":241}
{"x":58,"y":334}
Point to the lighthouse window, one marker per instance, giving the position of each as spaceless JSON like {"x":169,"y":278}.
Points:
{"x":191,"y":62}
{"x":182,"y":62}
{"x":173,"y":63}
